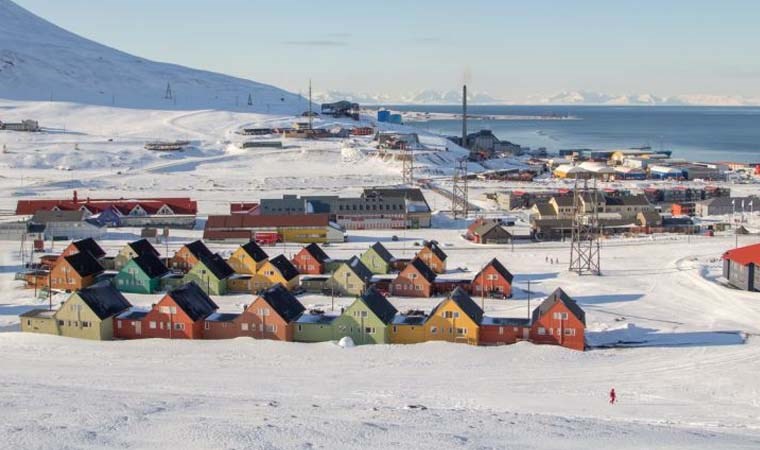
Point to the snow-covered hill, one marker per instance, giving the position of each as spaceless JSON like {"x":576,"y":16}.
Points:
{"x":40,"y":61}
{"x":424,"y":97}
{"x":598,"y":98}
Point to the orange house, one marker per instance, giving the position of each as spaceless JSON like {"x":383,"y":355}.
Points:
{"x":271,"y":315}
{"x":416,"y":280}
{"x":189,"y":255}
{"x":84,"y":246}
{"x":75,"y":272}
{"x":432,"y":255}
{"x":179,"y":315}
{"x":311,"y":260}
{"x":559,"y":320}
{"x":494,"y":280}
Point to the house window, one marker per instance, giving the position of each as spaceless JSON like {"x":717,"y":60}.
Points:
{"x":300,"y":327}
{"x":560,"y":315}
{"x":462,"y":331}
{"x":86,"y":324}
{"x":433,"y":330}
{"x":492,"y":277}
{"x":167,"y":310}
{"x":569,"y":331}
{"x":263,"y":311}
{"x":60,"y":323}
{"x":541,"y":331}
{"x":207,"y":325}
{"x":244,"y":326}
{"x":395,"y":329}
{"x":369,"y":330}
{"x":412,"y":276}
{"x":179,"y":326}
{"x":417,"y":287}
{"x":271,"y":328}
{"x":501,"y":330}
{"x":152,"y":325}
{"x":29,"y":323}
{"x":363,"y":314}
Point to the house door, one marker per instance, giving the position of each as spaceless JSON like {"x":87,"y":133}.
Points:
{"x":138,"y":328}
{"x":526,"y":333}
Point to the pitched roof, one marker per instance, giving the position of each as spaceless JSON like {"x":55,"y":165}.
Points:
{"x":193,"y":301}
{"x":564,"y":200}
{"x":316,"y":252}
{"x":465,"y":303}
{"x":286,"y":268}
{"x":179,"y":205}
{"x":142,"y":247}
{"x":217,"y":265}
{"x":84,"y":264}
{"x":151,"y":265}
{"x":744,"y":255}
{"x":198,"y":249}
{"x":104,"y":300}
{"x":283,"y":302}
{"x":58,"y":216}
{"x":559,"y":296}
{"x":89,"y":246}
{"x":627,"y":200}
{"x":357,"y":267}
{"x":423,"y":269}
{"x":379,"y":305}
{"x":436,"y":249}
{"x":382,"y":252}
{"x":499,"y":267}
{"x":254,"y":251}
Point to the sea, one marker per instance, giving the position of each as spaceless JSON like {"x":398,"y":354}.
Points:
{"x":693,"y":133}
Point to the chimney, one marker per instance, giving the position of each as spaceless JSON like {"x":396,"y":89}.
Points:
{"x":464,"y":116}
{"x":76,"y":197}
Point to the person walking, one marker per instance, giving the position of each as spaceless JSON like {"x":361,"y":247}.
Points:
{"x":613,"y":396}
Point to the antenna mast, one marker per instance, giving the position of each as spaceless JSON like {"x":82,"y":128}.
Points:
{"x":168,"y":95}
{"x":311,"y":118}
{"x":585,"y":249}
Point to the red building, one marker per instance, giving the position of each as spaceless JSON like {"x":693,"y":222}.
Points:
{"x":494,"y":280}
{"x":161,"y":205}
{"x":559,"y":320}
{"x":503,"y":331}
{"x":222,"y":326}
{"x":433,"y":256}
{"x":416,"y":280}
{"x":250,"y":208}
{"x":75,"y":272}
{"x":271,"y":315}
{"x":85,"y":245}
{"x":179,"y":315}
{"x":129,"y":325}
{"x":311,"y":260}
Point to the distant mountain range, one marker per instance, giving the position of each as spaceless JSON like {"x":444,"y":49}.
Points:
{"x":453,"y":97}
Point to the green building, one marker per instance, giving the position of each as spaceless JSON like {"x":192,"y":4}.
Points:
{"x":351,"y":278}
{"x":141,"y":275}
{"x":366,"y":320}
{"x":378,"y":259}
{"x":210,"y":274}
{"x":314,"y":327}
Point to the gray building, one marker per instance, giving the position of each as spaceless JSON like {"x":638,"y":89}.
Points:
{"x":68,"y":225}
{"x":719,"y":206}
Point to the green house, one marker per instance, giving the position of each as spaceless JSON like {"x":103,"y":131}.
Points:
{"x":351,"y":278}
{"x":366,"y":320}
{"x":141,"y":275}
{"x":314,"y":327}
{"x":378,"y":259}
{"x":210,"y":274}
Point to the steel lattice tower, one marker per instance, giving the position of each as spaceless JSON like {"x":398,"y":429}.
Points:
{"x":460,"y":202}
{"x":407,"y":170}
{"x":585,"y":249}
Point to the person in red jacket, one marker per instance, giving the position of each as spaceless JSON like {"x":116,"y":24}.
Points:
{"x":613,"y":396}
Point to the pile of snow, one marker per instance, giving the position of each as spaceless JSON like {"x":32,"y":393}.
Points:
{"x":346,"y":342}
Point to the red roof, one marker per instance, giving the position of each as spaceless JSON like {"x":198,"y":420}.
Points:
{"x":744,"y":255}
{"x":243,"y":207}
{"x":179,"y":205}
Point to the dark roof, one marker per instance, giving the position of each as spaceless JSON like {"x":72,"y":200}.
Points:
{"x":283,"y":302}
{"x":559,"y":296}
{"x":133,"y":314}
{"x":382,"y":252}
{"x":89,"y":246}
{"x":436,"y":249}
{"x":564,"y":200}
{"x":254,"y":251}
{"x":198,"y":249}
{"x":627,"y":200}
{"x":317,"y":252}
{"x":84,"y":264}
{"x":504,"y":321}
{"x":423,"y":269}
{"x":142,"y":247}
{"x":357,"y":266}
{"x":466,"y":304}
{"x":286,"y":268}
{"x":104,"y":300}
{"x":151,"y":265}
{"x":499,"y":267}
{"x":222,"y":317}
{"x":379,"y":305}
{"x":217,"y":265}
{"x":193,"y":301}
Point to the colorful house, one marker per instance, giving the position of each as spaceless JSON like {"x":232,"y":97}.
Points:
{"x":211,"y":274}
{"x":456,"y":319}
{"x":271,"y":315}
{"x":189,"y":255}
{"x":494,"y":280}
{"x":222,"y":326}
{"x":311,"y":260}
{"x":416,"y":280}
{"x":141,"y":275}
{"x":366,"y":320}
{"x":248,"y":258}
{"x":88,"y":245}
{"x":40,"y":321}
{"x":432,"y":255}
{"x":75,"y":272}
{"x":278,"y":270}
{"x":180,"y":314}
{"x":133,"y":250}
{"x":314,"y":326}
{"x":128,"y":324}
{"x":377,"y":259}
{"x":351,"y":278}
{"x":408,"y":328}
{"x":503,"y":330}
{"x":559,"y":320}
{"x":741,"y":267}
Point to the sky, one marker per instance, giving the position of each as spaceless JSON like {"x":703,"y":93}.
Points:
{"x":512,"y":49}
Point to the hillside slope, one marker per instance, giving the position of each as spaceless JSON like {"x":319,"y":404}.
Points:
{"x":40,"y":61}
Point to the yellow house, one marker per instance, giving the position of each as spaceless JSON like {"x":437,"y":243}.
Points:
{"x":132,"y":250}
{"x":248,"y":259}
{"x":278,"y":270}
{"x":456,"y":319}
{"x":40,"y":321}
{"x":408,"y":328}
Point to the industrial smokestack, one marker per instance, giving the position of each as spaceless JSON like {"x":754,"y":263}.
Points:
{"x":464,"y":116}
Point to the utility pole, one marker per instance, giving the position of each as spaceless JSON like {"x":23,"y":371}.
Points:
{"x":585,"y":249}
{"x":529,"y":295}
{"x":311,"y":118}
{"x":407,"y":170}
{"x":168,"y":95}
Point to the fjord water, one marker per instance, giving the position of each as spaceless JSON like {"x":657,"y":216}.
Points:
{"x":695,"y":133}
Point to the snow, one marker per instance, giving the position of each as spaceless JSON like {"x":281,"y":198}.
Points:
{"x":346,"y":342}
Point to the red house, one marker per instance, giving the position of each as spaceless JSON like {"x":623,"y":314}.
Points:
{"x":129,"y":324}
{"x":416,"y":280}
{"x":271,"y":315}
{"x":311,"y":260}
{"x":494,"y":280}
{"x":559,"y":320}
{"x":180,"y":314}
{"x":503,"y":331}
